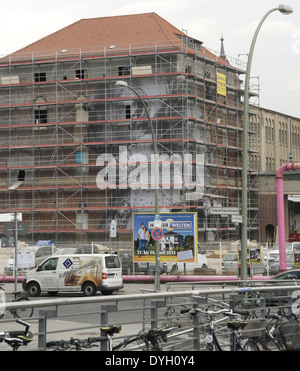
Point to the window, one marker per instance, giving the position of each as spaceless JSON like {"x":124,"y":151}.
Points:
{"x":127,"y":112}
{"x":82,"y":216}
{"x":49,"y":265}
{"x":21,"y":176}
{"x":80,"y":74}
{"x":112,"y":262}
{"x":40,"y":76}
{"x":40,"y":116}
{"x":188,"y":69}
{"x":121,"y":70}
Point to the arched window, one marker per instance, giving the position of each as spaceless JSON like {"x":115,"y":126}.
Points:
{"x":82,"y":216}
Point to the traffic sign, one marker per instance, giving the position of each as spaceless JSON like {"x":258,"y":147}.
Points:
{"x":224,"y":211}
{"x":113,"y":229}
{"x":9,"y":229}
{"x":237,"y":218}
{"x":23,"y":229}
{"x":157,"y":234}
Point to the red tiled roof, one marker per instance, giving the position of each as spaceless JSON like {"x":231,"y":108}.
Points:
{"x":95,"y":34}
{"x":107,"y":31}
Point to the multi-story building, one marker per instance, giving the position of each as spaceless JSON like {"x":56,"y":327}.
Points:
{"x":76,"y":149}
{"x":280,"y":144}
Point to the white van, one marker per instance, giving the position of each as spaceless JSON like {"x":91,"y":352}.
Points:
{"x":77,"y":272}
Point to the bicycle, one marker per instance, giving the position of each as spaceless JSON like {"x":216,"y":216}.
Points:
{"x":281,"y":335}
{"x":15,"y":339}
{"x":150,"y":339}
{"x":18,"y":297}
{"x":238,"y":342}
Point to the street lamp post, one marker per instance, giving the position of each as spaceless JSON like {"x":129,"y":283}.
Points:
{"x":157,"y":259}
{"x":284,"y":9}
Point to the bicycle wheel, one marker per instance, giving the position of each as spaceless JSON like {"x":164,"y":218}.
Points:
{"x":22,"y":312}
{"x":279,"y":343}
{"x":249,"y":346}
{"x":273,"y":344}
{"x":142,"y":344}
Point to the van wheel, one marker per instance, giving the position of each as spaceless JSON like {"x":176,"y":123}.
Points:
{"x":89,"y":289}
{"x":34,"y":289}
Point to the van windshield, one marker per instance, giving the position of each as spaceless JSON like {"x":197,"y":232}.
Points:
{"x":112,"y":262}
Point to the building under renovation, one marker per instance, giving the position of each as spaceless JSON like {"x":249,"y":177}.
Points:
{"x":76,"y":148}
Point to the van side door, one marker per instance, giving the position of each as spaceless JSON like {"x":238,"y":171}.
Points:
{"x":48,"y":275}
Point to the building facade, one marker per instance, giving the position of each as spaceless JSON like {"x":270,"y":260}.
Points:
{"x":280,"y":144}
{"x":76,"y":149}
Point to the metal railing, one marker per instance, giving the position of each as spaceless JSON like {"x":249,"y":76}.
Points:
{"x":138,"y":312}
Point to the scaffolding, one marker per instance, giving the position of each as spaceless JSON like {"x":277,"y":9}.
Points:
{"x":75,"y":149}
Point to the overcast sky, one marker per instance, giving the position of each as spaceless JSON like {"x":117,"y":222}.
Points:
{"x":276,"y":59}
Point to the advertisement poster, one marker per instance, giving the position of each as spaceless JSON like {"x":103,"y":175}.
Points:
{"x":297,"y":257}
{"x":253,"y":252}
{"x":175,"y":232}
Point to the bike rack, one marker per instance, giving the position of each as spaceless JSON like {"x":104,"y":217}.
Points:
{"x":150,"y":314}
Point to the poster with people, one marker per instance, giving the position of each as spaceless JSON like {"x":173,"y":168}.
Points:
{"x":176,"y":234}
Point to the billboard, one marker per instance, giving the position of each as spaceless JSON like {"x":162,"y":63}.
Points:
{"x":175,"y":232}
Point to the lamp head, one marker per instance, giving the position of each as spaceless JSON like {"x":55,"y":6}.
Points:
{"x":285,"y":9}
{"x":121,"y":83}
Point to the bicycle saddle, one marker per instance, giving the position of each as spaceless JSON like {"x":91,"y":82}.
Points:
{"x":236,"y":325}
{"x":111,"y":329}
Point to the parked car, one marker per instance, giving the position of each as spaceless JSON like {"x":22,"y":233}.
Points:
{"x":9,"y":266}
{"x":36,"y":254}
{"x":230,"y":262}
{"x":174,"y":268}
{"x":293,"y":274}
{"x":274,"y":252}
{"x":126,"y":259}
{"x":42,"y":253}
{"x":274,"y":266}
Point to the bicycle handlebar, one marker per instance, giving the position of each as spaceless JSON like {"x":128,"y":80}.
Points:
{"x":17,"y":338}
{"x":85,"y":343}
{"x":151,"y":336}
{"x":280,"y":315}
{"x":27,"y":325}
{"x":226,"y":312}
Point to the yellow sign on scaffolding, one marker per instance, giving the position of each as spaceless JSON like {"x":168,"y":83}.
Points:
{"x":221,"y":84}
